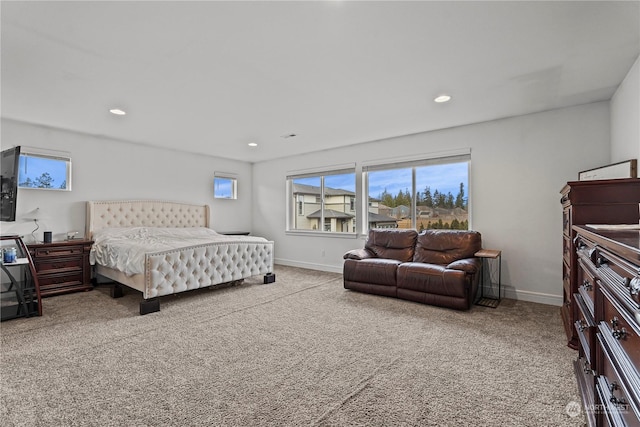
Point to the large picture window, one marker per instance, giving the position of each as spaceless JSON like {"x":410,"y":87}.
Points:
{"x":421,"y":194}
{"x":43,"y":169}
{"x":322,"y":202}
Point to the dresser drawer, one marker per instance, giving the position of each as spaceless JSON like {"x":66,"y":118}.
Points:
{"x":585,"y":376}
{"x":609,"y":406}
{"x":618,"y":382}
{"x":49,"y":266}
{"x":622,"y":277}
{"x":621,"y":326}
{"x":58,"y":251}
{"x":585,"y":327}
{"x":56,"y":281}
{"x":586,"y":283}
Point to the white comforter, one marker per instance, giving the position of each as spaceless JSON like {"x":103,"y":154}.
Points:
{"x":124,"y":249}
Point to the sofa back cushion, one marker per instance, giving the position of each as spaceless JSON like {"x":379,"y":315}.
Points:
{"x":445,"y":246}
{"x":392,"y":243}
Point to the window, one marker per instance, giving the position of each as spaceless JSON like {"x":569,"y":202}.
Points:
{"x":322,"y":201}
{"x":225,"y":186}
{"x":43,"y":169}
{"x":421,"y":194}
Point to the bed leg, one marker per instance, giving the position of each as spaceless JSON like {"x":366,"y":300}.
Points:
{"x":116,"y":291}
{"x":149,"y":306}
{"x":269,"y":278}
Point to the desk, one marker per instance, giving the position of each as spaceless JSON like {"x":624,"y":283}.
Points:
{"x":19,"y":288}
{"x":490,"y":254}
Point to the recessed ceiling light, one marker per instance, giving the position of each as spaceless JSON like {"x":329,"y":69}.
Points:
{"x":252,"y":144}
{"x":442,"y":98}
{"x":117,"y":112}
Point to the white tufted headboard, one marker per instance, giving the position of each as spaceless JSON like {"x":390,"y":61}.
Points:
{"x":144,"y":213}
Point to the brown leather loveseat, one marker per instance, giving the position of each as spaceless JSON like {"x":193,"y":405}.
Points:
{"x":435,"y":267}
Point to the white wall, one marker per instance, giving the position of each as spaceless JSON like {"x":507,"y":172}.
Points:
{"x":518,"y":166}
{"x":625,"y":117}
{"x":107,"y":169}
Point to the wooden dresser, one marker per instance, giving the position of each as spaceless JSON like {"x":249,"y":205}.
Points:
{"x":607,"y":323}
{"x":612,"y":201}
{"x":62,"y":267}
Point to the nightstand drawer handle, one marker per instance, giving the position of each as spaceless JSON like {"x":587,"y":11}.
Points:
{"x":581,"y":325}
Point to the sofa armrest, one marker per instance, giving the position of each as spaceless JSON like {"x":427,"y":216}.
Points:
{"x":359,"y":254}
{"x":468,"y":265}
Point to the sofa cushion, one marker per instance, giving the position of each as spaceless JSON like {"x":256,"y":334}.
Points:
{"x":377,"y":271}
{"x":446,"y":246}
{"x":398,"y":244}
{"x":432,"y":279}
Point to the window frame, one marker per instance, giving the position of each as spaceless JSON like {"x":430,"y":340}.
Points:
{"x":362,"y":201}
{"x":39,"y":153}
{"x":458,"y":156}
{"x":293,"y":201}
{"x":232,"y":178}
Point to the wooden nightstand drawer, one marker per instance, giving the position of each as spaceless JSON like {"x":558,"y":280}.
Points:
{"x":51,"y":252}
{"x":50,"y":266}
{"x":54,"y":281}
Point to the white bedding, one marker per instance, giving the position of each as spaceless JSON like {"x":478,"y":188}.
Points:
{"x":124,"y":249}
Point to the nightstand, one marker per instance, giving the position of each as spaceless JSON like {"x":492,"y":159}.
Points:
{"x":63,"y":266}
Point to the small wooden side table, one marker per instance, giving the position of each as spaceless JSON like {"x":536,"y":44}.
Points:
{"x":488,"y":254}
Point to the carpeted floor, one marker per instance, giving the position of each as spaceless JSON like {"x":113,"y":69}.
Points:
{"x":301,"y":351}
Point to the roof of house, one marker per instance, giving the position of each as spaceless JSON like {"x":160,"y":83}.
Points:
{"x":328,"y":191}
{"x":374,"y":217}
{"x":330,"y":213}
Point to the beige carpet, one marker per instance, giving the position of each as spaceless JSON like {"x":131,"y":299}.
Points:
{"x":300,"y":352}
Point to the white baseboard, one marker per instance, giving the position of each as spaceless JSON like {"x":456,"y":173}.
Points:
{"x":309,"y":265}
{"x":539,"y":297}
{"x":507,"y":291}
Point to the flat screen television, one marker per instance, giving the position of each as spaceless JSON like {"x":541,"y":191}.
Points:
{"x":9,"y":183}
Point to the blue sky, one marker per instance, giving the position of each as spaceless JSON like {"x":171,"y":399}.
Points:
{"x":34,"y":167}
{"x":444,"y":178}
{"x":223,"y":188}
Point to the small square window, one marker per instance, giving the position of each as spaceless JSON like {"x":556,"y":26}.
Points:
{"x":225,"y":187}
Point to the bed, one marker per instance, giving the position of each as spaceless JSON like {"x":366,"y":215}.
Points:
{"x":162,"y":248}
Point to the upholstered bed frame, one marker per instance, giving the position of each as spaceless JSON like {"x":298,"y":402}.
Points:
{"x":165,"y":271}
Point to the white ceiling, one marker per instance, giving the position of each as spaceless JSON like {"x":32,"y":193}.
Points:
{"x":210,"y":77}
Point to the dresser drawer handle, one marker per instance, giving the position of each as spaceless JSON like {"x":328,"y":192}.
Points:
{"x":618,"y":402}
{"x":619,"y":334}
{"x":614,"y":322}
{"x":581,"y":325}
{"x":587,"y":285}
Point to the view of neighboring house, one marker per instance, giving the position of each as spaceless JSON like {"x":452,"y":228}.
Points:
{"x":339,"y":213}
